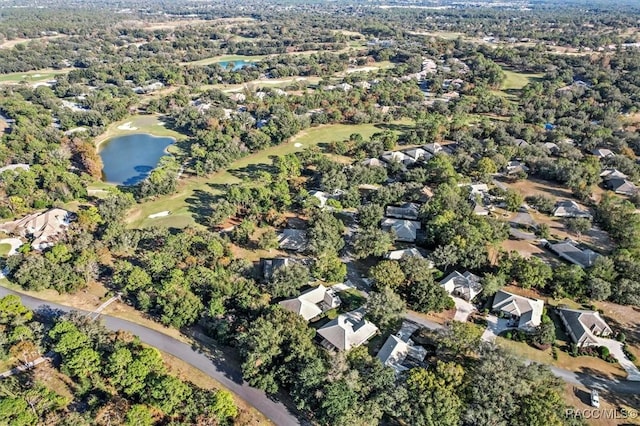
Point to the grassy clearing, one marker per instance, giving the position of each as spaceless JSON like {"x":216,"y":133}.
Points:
{"x":195,"y":194}
{"x":517,"y":80}
{"x":151,"y":124}
{"x":4,"y":249}
{"x":33,"y":76}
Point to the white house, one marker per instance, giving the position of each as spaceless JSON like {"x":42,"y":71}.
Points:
{"x":405,"y":230}
{"x":467,"y":285}
{"x":526,"y":313}
{"x":312,"y":303}
{"x":569,"y":208}
{"x":584,"y":326}
{"x":347,"y":331}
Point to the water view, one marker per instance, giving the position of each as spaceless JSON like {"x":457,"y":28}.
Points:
{"x":236,"y":64}
{"x":129,"y":159}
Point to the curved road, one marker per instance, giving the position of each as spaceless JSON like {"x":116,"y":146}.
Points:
{"x":217,"y":368}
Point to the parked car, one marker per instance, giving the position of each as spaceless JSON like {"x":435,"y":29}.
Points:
{"x":595,"y":398}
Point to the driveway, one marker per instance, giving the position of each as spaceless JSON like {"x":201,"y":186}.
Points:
{"x":495,"y":326}
{"x":463,"y":309}
{"x":615,"y":348}
{"x":214,"y":366}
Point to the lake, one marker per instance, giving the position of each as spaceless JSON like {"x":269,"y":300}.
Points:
{"x":129,"y":159}
{"x":236,"y":64}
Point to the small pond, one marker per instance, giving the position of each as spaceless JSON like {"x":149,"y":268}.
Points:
{"x":236,"y":64}
{"x":129,"y":159}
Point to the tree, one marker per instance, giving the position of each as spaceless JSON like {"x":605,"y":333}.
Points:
{"x":167,"y":393}
{"x":370,"y":215}
{"x":460,"y":338}
{"x":491,"y":283}
{"x":371,"y":242}
{"x":387,"y":273}
{"x":598,"y":289}
{"x":434,"y":395}
{"x":384,"y":308}
{"x":578,"y":225}
{"x":330,"y":268}
{"x":545,"y":333}
{"x":325,"y":233}
{"x":139,"y":415}
{"x":224,"y":406}
{"x":286,"y":281}
{"x":268,"y":240}
{"x":513,"y":200}
{"x":428,"y":296}
{"x":532,"y":272}
{"x":13,"y":312}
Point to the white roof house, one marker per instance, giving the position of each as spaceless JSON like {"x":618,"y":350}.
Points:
{"x":395,"y":351}
{"x":397,"y":157}
{"x":15,"y":167}
{"x":44,"y":229}
{"x":347,"y":331}
{"x":528,"y":312}
{"x":466,"y":286}
{"x":313,"y":302}
{"x":584,"y":326}
{"x":569,"y":208}
{"x":405,"y":230}
{"x":321,"y":196}
{"x":399,"y":254}
{"x":609,"y":174}
{"x":433,"y":148}
{"x":373,"y":162}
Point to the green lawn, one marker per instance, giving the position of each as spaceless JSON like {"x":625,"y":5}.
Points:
{"x":32,"y":76}
{"x":195,"y":193}
{"x":151,"y":124}
{"x":4,"y":249}
{"x":517,"y":80}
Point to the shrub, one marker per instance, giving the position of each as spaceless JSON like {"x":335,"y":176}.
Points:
{"x":554,"y":352}
{"x":508,"y":335}
{"x":620,"y":337}
{"x":627,"y":352}
{"x":604,"y":352}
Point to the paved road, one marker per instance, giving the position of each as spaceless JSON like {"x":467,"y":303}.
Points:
{"x":217,"y":368}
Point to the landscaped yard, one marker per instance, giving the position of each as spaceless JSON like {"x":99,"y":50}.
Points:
{"x":515,"y":81}
{"x":195,"y":194}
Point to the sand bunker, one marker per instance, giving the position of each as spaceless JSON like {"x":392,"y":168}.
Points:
{"x":127,"y":126}
{"x":159,"y":214}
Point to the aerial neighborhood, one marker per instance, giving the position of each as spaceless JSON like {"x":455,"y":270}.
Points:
{"x":331,"y":213}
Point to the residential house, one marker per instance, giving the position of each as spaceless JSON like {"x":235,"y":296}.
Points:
{"x":395,"y":351}
{"x":521,"y":143}
{"x":515,"y":167}
{"x":44,"y":229}
{"x":15,"y":167}
{"x":609,"y":174}
{"x":312,"y":303}
{"x":293,"y":240}
{"x":553,"y":148}
{"x":321,"y":196}
{"x":347,"y":331}
{"x":433,"y":148}
{"x":399,"y":254}
{"x":373,"y":162}
{"x":479,"y":208}
{"x":603,"y":153}
{"x":584,"y":326}
{"x":569,"y":208}
{"x":406,"y":211}
{"x":570,"y":251}
{"x":621,"y":186}
{"x":238,"y":97}
{"x":270,"y":266}
{"x":418,"y":154}
{"x":397,"y":157}
{"x":404,"y":230}
{"x":526,"y":314}
{"x":467,"y":285}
